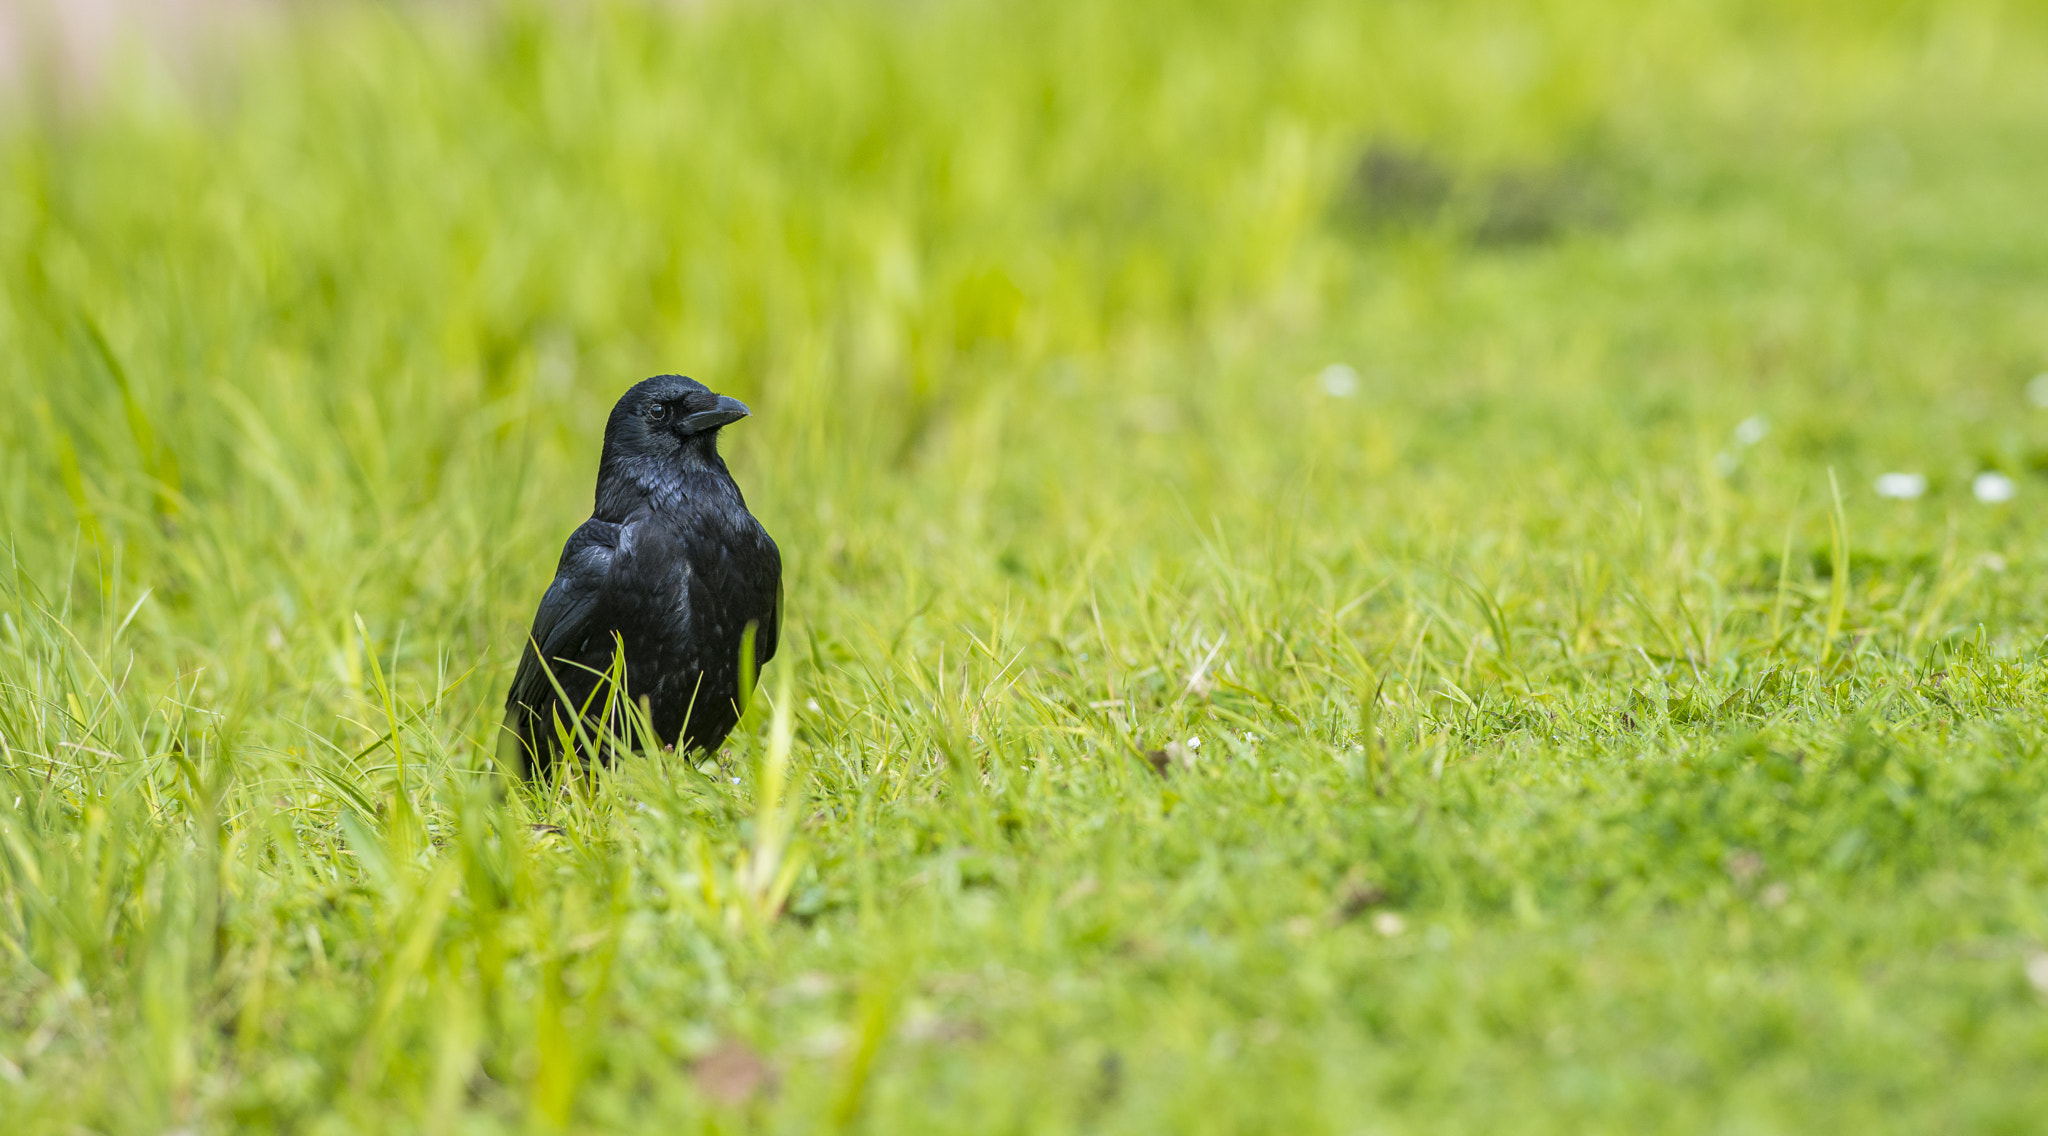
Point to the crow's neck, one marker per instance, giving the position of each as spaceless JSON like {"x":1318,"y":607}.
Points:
{"x":629,"y":485}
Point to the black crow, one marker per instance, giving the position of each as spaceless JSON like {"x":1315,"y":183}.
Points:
{"x":671,"y":566}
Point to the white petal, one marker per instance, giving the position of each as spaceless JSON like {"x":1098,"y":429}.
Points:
{"x":1901,"y":486}
{"x":1994,"y":488}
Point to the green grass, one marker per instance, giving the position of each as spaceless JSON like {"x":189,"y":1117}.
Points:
{"x":1567,"y":762}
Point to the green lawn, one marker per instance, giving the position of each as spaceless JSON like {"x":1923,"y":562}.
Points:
{"x":1444,"y":435}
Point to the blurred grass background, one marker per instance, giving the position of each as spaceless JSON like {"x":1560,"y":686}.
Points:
{"x":1440,"y":436}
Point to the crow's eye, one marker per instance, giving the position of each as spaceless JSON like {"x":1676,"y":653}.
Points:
{"x":659,"y":413}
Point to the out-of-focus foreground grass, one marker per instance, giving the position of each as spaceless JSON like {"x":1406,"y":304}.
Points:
{"x":1440,"y":435}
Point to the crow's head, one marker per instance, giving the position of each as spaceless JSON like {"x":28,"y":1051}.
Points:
{"x":669,"y":416}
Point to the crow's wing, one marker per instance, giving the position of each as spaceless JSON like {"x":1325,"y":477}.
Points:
{"x":561,"y":629}
{"x":764,"y":637}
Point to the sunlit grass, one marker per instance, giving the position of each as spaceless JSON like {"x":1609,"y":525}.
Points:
{"x":1336,"y":569}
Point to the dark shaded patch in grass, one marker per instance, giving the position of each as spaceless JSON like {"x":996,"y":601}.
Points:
{"x":1395,"y":187}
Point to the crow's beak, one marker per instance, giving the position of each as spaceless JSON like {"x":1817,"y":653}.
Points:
{"x":728,"y":411}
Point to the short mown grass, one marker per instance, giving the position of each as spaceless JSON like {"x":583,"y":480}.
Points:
{"x":1334,"y":582}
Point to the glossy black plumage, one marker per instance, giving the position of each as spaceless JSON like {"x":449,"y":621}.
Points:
{"x":671,"y":564}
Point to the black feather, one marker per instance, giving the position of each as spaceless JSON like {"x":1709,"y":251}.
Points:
{"x":671,"y":566}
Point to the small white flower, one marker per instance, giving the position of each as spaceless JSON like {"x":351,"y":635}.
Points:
{"x":2037,"y":390}
{"x":1389,"y":923}
{"x":1993,"y":488}
{"x":1902,"y":486}
{"x":1752,"y":430}
{"x":2037,"y":972}
{"x":1194,"y":743}
{"x":1339,"y":380}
